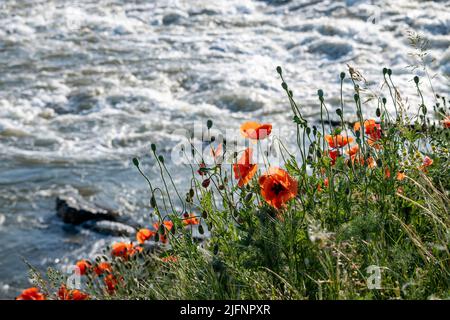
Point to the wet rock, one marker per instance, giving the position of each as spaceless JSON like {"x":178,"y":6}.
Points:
{"x":75,"y":210}
{"x":173,"y":18}
{"x":111,"y":228}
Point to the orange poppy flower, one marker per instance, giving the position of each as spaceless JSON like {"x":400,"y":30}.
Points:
{"x":243,"y":169}
{"x":31,"y":294}
{"x":83,"y":266}
{"x":325,"y":184}
{"x":387,"y":173}
{"x":102,"y":267}
{"x":144,"y":234}
{"x":400,"y":176}
{"x":168,"y":225}
{"x":369,"y":126}
{"x":353,"y":150}
{"x":124,"y":250}
{"x":338,"y":141}
{"x":333,"y":154}
{"x":278,"y":187}
{"x":190,"y":219}
{"x":446,"y":122}
{"x":256,"y":131}
{"x":64,"y":294}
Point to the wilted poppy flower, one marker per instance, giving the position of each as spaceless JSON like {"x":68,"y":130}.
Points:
{"x":427,"y":161}
{"x":64,"y":294}
{"x":217,"y":153}
{"x":102,"y":267}
{"x":191,"y":219}
{"x":168,"y":225}
{"x":338,"y":141}
{"x":277,"y":187}
{"x":243,"y":169}
{"x":83,"y":266}
{"x":31,"y":294}
{"x":144,"y":234}
{"x":256,"y":131}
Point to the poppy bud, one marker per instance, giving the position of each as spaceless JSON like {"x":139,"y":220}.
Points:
{"x":308,"y":130}
{"x":385,"y":71}
{"x":191,"y":193}
{"x":200,"y":229}
{"x":221,"y":187}
{"x":279,"y":70}
{"x":384,"y":100}
{"x":416,"y":79}
{"x":153,"y":146}
{"x":185,"y":215}
{"x":205,"y":214}
{"x":161,"y":159}
{"x":205,"y":183}
{"x":209,"y":124}
{"x":389,"y":72}
{"x":378,"y":112}
{"x":342,"y":75}
{"x":213,"y":138}
{"x":356,"y":97}
{"x":136,"y":162}
{"x":339,"y":112}
{"x":284,"y":85}
{"x":153,"y":202}
{"x":320,"y":93}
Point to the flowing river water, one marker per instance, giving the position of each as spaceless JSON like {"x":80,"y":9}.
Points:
{"x":87,"y":85}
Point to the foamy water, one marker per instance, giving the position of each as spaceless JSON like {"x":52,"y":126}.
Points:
{"x":87,"y":85}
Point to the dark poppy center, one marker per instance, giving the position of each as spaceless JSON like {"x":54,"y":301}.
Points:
{"x":277,"y":188}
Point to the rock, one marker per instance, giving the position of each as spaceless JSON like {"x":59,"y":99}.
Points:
{"x":111,"y":228}
{"x":75,"y":210}
{"x":173,"y":18}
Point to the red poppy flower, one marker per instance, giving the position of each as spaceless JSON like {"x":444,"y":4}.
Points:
{"x":277,"y":187}
{"x":256,"y":131}
{"x":243,"y":169}
{"x":64,"y":294}
{"x":144,"y":234}
{"x":200,"y":171}
{"x":31,"y":294}
{"x":111,"y":282}
{"x":191,"y":219}
{"x":102,"y":267}
{"x":83,"y":266}
{"x":333,"y":154}
{"x":338,"y":141}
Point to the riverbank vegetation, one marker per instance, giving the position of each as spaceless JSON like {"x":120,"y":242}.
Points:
{"x":358,"y":211}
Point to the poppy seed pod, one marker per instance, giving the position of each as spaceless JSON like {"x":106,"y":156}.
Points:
{"x":209,"y":124}
{"x":136,"y":162}
{"x":205,"y":183}
{"x":279,"y":70}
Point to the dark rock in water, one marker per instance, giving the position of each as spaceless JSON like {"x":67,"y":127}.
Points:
{"x":75,"y":210}
{"x":172,"y":18}
{"x":111,"y":228}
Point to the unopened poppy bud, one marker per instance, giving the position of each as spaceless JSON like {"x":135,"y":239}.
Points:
{"x":205,"y":214}
{"x":339,"y":112}
{"x":200,"y":229}
{"x":191,"y":193}
{"x":136,"y":162}
{"x":279,"y":70}
{"x":153,"y":202}
{"x":221,"y":187}
{"x":205,"y":183}
{"x":385,"y":70}
{"x":389,"y":72}
{"x":320,"y":93}
{"x":209,"y":124}
{"x":284,"y":85}
{"x":153,"y":146}
{"x":378,"y":112}
{"x":384,"y":100}
{"x":416,"y":79}
{"x":342,"y":75}
{"x":161,"y":159}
